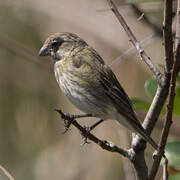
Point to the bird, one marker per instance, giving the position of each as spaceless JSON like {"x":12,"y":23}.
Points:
{"x":89,"y":83}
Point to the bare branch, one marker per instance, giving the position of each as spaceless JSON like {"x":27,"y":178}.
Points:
{"x":170,"y":105}
{"x":165,"y":172}
{"x":140,"y":165}
{"x":109,"y":146}
{"x":19,"y":49}
{"x":134,"y":41}
{"x":157,"y":29}
{"x":10,"y":177}
{"x":156,"y":105}
{"x":167,"y":32}
{"x":115,"y":63}
{"x":159,"y":99}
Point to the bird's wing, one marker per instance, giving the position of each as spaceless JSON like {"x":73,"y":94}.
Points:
{"x":117,"y":94}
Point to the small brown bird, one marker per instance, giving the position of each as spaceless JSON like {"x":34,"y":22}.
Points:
{"x":89,"y":83}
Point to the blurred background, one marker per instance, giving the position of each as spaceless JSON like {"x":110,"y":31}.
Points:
{"x":31,"y":140}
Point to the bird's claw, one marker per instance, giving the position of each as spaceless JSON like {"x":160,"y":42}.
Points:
{"x":68,"y":119}
{"x":67,"y":124}
{"x":85,"y":136}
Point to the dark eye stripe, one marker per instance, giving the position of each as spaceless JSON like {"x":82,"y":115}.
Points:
{"x":55,"y":44}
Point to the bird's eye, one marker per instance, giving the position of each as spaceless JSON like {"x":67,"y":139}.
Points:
{"x":55,"y":45}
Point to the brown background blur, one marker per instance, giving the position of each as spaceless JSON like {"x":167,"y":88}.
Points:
{"x":32,"y":146}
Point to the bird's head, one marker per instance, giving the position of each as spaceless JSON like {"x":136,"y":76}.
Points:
{"x":59,"y":44}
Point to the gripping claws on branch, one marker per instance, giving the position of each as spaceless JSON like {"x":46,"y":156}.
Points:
{"x":68,"y":119}
{"x":85,"y":135}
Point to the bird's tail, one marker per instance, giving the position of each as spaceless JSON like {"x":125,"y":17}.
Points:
{"x":141,"y":131}
{"x":135,"y":126}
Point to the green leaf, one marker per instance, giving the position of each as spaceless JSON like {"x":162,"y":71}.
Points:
{"x":172,"y":151}
{"x":151,"y":87}
{"x":178,"y":79}
{"x":174,"y":177}
{"x":176,"y":110}
{"x":140,"y":104}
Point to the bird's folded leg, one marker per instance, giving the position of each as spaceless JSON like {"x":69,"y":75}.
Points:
{"x":76,"y":116}
{"x":88,"y":129}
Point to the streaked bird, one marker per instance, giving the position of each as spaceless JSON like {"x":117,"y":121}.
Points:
{"x":89,"y":83}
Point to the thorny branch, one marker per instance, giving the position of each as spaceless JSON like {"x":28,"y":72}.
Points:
{"x":157,"y":104}
{"x":157,"y":29}
{"x":136,"y":44}
{"x":167,"y":33}
{"x":162,"y":91}
{"x":109,"y":146}
{"x":174,"y":73}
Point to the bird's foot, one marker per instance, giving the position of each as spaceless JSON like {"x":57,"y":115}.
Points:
{"x":88,"y":130}
{"x":68,"y":119}
{"x":85,"y":135}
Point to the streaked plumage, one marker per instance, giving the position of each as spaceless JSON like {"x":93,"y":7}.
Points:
{"x":89,"y":83}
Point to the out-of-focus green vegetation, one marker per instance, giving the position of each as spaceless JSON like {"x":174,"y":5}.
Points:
{"x":173,"y":154}
{"x":150,"y":89}
{"x":172,"y":148}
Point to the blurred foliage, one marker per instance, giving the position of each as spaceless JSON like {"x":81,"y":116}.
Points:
{"x":150,"y":89}
{"x":27,"y":97}
{"x":172,"y":149}
{"x":172,"y":152}
{"x":174,"y":177}
{"x":140,"y":104}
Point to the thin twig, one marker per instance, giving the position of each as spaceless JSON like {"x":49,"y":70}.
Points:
{"x":136,"y":44}
{"x":167,"y":33}
{"x":168,"y":118}
{"x":158,"y":101}
{"x":115,"y":63}
{"x":157,"y":29}
{"x":156,"y":105}
{"x":19,"y":49}
{"x":165,"y":172}
{"x":10,"y":177}
{"x":109,"y":146}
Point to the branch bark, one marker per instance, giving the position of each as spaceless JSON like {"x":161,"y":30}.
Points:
{"x":109,"y":146}
{"x":142,"y":53}
{"x":156,"y":106}
{"x":8,"y":175}
{"x":167,"y":33}
{"x":157,"y":29}
{"x":162,"y":91}
{"x":136,"y":154}
{"x":174,"y":72}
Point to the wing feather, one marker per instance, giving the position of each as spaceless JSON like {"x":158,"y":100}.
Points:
{"x":117,"y":94}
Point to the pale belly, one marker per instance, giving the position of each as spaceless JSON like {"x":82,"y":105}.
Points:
{"x":88,"y":100}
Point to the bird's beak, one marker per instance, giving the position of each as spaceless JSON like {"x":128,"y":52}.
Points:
{"x":44,"y":51}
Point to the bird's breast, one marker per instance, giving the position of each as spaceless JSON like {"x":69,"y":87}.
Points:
{"x":80,"y":92}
